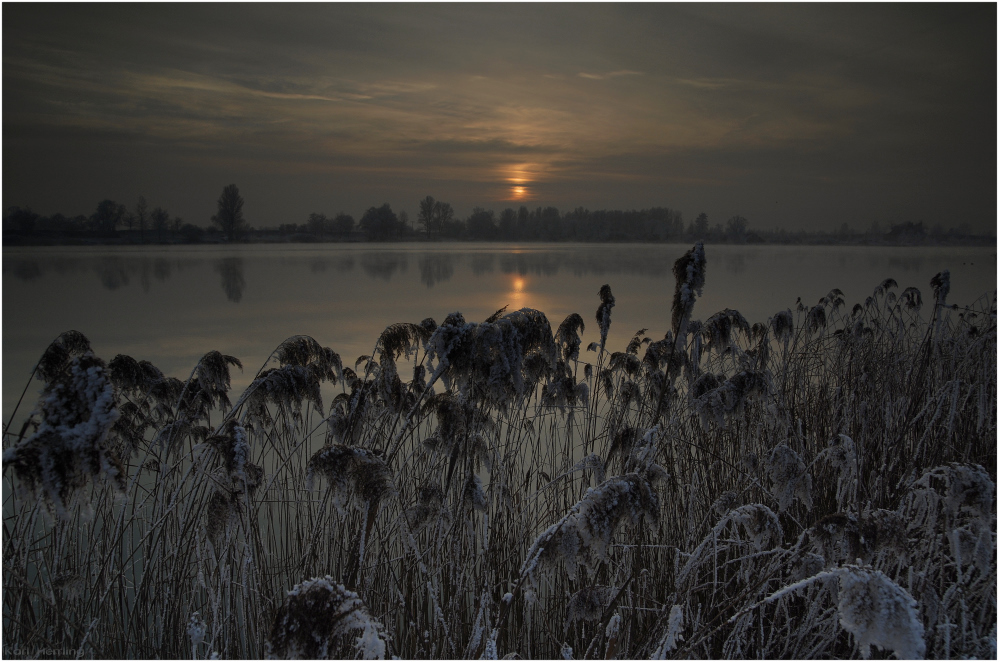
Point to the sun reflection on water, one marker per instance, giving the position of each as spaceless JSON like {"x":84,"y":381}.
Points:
{"x":518,"y":292}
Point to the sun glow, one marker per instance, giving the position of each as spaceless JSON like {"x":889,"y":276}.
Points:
{"x":518,"y":292}
{"x":519,"y":179}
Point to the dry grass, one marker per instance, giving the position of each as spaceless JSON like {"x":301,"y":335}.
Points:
{"x":811,"y":486}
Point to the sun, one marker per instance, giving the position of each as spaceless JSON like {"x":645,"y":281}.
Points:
{"x":520,"y":180}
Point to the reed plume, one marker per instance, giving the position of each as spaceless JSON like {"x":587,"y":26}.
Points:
{"x":567,"y":337}
{"x":604,"y":313}
{"x":582,"y":537}
{"x":75,"y":412}
{"x":430,"y":506}
{"x":355,"y":475}
{"x":316,"y":621}
{"x":488,"y":361}
{"x":589,"y":603}
{"x":790,"y":477}
{"x":689,"y":273}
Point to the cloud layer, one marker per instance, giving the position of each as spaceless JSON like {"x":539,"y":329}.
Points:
{"x":794,"y":116}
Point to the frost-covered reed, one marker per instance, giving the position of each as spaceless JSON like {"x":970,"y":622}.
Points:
{"x":818,"y":484}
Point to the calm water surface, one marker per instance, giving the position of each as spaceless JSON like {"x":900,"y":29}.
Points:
{"x":170,"y":305}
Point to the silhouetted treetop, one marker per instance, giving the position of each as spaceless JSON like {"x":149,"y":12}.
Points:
{"x":380,"y":223}
{"x":230,"y":213}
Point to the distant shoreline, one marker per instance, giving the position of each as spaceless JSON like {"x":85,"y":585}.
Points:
{"x":275,"y":237}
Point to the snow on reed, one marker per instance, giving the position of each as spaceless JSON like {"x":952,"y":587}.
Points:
{"x":317,"y":620}
{"x":75,"y":412}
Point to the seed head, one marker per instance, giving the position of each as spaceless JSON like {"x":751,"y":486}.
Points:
{"x":316,"y":621}
{"x":77,"y":409}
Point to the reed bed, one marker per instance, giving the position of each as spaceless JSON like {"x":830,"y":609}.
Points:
{"x":821,"y":484}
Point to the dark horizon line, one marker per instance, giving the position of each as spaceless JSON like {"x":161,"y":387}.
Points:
{"x":21,"y":226}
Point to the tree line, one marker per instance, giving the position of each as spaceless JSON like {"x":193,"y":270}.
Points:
{"x":154,"y":225}
{"x":107,"y":220}
{"x":437,"y":220}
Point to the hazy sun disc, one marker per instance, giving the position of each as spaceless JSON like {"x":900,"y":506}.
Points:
{"x":519,"y":192}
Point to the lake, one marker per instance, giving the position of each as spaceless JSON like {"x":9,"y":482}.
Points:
{"x":172,"y":304}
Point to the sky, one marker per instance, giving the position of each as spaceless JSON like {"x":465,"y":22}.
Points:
{"x":795,"y":116}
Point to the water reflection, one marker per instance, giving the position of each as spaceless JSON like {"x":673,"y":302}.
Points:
{"x":437,"y":267}
{"x":114,"y":273}
{"x":323,"y":263}
{"x":518,"y":292}
{"x":162,"y":269}
{"x":166,"y":304}
{"x":384,"y":265}
{"x":233,"y":281}
{"x":27,"y":270}
{"x":734,"y":263}
{"x":482,"y":263}
{"x":906,"y":262}
{"x":119,"y":269}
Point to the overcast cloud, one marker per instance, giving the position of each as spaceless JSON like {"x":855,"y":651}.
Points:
{"x":791,"y":115}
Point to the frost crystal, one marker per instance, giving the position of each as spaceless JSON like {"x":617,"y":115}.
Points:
{"x":790,"y":477}
{"x":689,"y":272}
{"x":196,"y":629}
{"x":77,"y":409}
{"x":589,"y":603}
{"x":583,"y":536}
{"x":941,"y":286}
{"x":842,"y":456}
{"x":429,"y":507}
{"x":355,"y":475}
{"x":491,"y":653}
{"x":473,"y":495}
{"x":879,"y":612}
{"x":604,"y":313}
{"x":491,"y":360}
{"x":317,"y":617}
{"x":613,"y":626}
{"x":672,"y":635}
{"x":592,"y":463}
{"x":234,"y":446}
{"x":716,"y":397}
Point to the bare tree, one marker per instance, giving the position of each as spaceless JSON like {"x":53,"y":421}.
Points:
{"x":700,"y":226}
{"x":508,"y":223}
{"x":160,"y":220}
{"x":443,"y":214}
{"x":141,"y":217}
{"x":107,"y":216}
{"x":380,"y":223}
{"x":426,"y":214}
{"x":343,"y":224}
{"x":318,"y":224}
{"x":736,"y":227}
{"x":230,"y":213}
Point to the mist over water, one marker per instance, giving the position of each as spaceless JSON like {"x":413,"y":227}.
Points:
{"x":171,"y":305}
